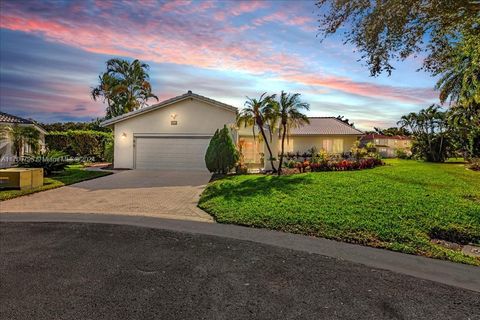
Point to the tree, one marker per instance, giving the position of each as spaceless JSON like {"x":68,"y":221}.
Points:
{"x":94,"y":125}
{"x":460,"y":70}
{"x":395,"y":29}
{"x":252,"y":115}
{"x":290,"y":109}
{"x":221,"y":155}
{"x":431,"y":133}
{"x":124,"y":86}
{"x":392,"y":131}
{"x":21,"y":136}
{"x":464,"y":124}
{"x":346,"y":121}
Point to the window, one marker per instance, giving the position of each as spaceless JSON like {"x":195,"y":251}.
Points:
{"x":337,"y":146}
{"x":332,"y":145}
{"x":251,"y":149}
{"x":327,"y":145}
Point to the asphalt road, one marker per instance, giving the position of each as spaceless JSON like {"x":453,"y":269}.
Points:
{"x":95,"y":271}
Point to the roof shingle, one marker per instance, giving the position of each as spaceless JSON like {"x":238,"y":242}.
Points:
{"x":325,"y":126}
{"x":9,"y":118}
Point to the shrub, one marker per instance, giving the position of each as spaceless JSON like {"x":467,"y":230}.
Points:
{"x":241,"y":169}
{"x":81,"y":143}
{"x":346,"y":165}
{"x":358,"y":151}
{"x":474,"y":164}
{"x":221,"y":155}
{"x":50,"y":161}
{"x":290,"y":164}
{"x":401,"y":154}
{"x":108,"y":152}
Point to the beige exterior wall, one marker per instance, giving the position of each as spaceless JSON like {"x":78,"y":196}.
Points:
{"x":388,"y":147}
{"x":193,"y":117}
{"x":333,"y":144}
{"x":302,"y":144}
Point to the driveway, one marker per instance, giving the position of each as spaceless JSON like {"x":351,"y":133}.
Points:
{"x":169,"y":194}
{"x":95,"y":271}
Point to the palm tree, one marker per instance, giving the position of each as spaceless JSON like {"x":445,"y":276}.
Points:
{"x":430,"y":130}
{"x":124,"y":86}
{"x":460,"y":81}
{"x":291,"y":116}
{"x":252,"y":115}
{"x":20,"y":136}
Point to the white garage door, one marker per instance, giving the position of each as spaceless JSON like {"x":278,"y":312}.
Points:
{"x":179,"y":153}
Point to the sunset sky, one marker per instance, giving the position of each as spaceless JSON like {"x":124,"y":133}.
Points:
{"x":52,"y":53}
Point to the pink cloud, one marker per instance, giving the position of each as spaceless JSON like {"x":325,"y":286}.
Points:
{"x":238,"y":8}
{"x":198,"y":42}
{"x":282,"y":17}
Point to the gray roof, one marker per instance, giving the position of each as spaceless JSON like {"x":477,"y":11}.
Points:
{"x":188,"y":95}
{"x":10,"y":118}
{"x":325,"y":126}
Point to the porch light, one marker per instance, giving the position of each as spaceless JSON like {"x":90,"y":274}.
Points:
{"x":124,"y":135}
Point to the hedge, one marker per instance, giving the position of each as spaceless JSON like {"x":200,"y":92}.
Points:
{"x":81,"y":143}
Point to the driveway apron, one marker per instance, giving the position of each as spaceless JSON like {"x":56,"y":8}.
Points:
{"x":168,"y":194}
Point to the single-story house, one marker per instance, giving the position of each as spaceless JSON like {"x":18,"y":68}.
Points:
{"x":387,"y":146}
{"x":7,"y":154}
{"x":175,"y":133}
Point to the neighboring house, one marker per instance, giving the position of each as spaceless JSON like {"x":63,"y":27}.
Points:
{"x":6,"y":153}
{"x":387,"y":146}
{"x":175,"y":133}
{"x":327,"y":133}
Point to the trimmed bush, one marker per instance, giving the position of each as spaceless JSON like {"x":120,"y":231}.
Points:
{"x":81,"y":143}
{"x":221,"y":155}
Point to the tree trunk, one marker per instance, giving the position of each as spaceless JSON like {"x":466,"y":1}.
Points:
{"x":283,"y":149}
{"x":268,"y":147}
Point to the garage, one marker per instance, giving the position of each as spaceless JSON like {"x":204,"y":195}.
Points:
{"x":173,"y":134}
{"x":171,"y":152}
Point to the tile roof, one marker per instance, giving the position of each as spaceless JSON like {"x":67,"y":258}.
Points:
{"x":381,"y":136}
{"x":325,"y":126}
{"x":167,"y":102}
{"x":9,"y":118}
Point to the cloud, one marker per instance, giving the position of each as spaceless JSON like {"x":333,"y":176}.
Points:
{"x":238,"y":37}
{"x":286,"y":18}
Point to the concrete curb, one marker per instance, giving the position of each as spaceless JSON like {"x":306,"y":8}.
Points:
{"x":454,"y":274}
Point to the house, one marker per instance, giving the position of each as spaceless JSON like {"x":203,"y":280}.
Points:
{"x":387,"y":146}
{"x":327,"y":133}
{"x":175,"y":133}
{"x":7,"y":154}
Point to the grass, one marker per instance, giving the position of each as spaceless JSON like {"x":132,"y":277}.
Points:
{"x":72,"y":174}
{"x":397,"y":206}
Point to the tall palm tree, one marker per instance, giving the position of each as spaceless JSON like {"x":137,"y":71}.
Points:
{"x":291,"y":116}
{"x":252,"y":115}
{"x":124,"y":86}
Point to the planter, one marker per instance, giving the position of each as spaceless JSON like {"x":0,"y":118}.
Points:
{"x":21,"y":178}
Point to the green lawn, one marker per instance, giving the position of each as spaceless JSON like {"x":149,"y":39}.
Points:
{"x":397,"y":206}
{"x":72,"y":174}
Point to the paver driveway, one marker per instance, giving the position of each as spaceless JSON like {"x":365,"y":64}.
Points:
{"x":135,"y":192}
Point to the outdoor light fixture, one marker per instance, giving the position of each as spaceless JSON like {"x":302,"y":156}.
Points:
{"x":173,"y":116}
{"x":124,"y":135}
